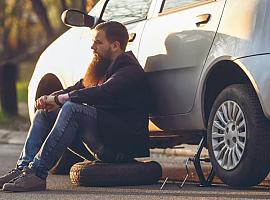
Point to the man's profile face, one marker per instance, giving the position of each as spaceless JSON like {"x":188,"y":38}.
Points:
{"x":101,"y":46}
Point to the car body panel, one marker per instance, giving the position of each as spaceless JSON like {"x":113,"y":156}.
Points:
{"x":231,"y":43}
{"x":246,"y":35}
{"x":175,"y":53}
{"x":257,"y":67}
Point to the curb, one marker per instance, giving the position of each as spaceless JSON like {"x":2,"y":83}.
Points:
{"x":185,"y":150}
{"x":12,"y":137}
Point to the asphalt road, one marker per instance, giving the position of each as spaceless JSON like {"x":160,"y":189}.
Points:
{"x":59,"y":187}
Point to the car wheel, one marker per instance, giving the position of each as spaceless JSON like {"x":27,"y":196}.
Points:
{"x":238,"y":137}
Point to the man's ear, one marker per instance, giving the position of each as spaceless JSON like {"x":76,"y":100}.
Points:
{"x":116,"y":45}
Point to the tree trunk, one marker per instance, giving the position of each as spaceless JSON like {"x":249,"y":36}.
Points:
{"x":9,"y":21}
{"x":8,"y":93}
{"x":41,"y":12}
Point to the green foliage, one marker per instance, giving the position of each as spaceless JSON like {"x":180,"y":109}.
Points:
{"x":3,"y":118}
{"x":22,"y":91}
{"x":26,"y":69}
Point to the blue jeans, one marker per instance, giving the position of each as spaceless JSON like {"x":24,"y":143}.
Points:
{"x":52,"y":132}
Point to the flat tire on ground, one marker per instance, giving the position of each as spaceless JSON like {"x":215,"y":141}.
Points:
{"x":115,"y":174}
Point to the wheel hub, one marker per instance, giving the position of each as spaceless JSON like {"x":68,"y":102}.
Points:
{"x":229,"y":135}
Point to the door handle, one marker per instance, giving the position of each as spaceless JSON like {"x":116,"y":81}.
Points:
{"x":131,"y":37}
{"x":202,"y":19}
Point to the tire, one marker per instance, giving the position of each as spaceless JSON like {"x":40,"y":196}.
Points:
{"x":115,"y":174}
{"x":240,"y":152}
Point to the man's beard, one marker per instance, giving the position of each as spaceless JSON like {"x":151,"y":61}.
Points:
{"x":96,"y":71}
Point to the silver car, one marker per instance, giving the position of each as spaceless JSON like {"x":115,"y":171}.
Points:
{"x":208,"y":63}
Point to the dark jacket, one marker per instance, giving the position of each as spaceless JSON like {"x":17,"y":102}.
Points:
{"x":121,"y":101}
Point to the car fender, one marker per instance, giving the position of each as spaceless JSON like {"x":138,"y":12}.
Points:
{"x":257,"y":69}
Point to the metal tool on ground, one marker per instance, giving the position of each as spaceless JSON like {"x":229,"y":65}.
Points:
{"x":196,"y":160}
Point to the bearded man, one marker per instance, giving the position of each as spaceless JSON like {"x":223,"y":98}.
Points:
{"x":107,"y":111}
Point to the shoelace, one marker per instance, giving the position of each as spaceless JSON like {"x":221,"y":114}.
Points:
{"x":12,"y":171}
{"x":18,"y":178}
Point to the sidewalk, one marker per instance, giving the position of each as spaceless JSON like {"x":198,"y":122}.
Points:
{"x":12,"y":137}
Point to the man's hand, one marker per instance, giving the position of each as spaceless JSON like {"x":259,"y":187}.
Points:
{"x":41,"y":102}
{"x":46,"y":103}
{"x":50,"y":104}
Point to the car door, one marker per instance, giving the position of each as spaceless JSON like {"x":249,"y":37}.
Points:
{"x":173,"y":49}
{"x":132,"y":14}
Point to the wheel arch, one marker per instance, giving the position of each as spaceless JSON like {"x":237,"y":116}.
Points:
{"x":217,"y":79}
{"x":46,"y":85}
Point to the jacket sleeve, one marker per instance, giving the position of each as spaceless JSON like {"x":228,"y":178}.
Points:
{"x":77,"y":86}
{"x":120,"y":83}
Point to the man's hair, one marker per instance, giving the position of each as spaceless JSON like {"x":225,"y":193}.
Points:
{"x":114,"y":31}
{"x":95,"y":72}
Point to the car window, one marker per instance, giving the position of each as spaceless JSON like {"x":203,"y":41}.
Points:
{"x":126,"y":11}
{"x":171,"y":4}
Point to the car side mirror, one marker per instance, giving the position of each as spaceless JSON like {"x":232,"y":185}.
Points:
{"x":77,"y":18}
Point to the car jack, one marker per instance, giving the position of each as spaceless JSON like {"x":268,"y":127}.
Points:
{"x":204,"y":181}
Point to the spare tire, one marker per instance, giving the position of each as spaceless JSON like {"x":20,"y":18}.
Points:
{"x":90,"y":173}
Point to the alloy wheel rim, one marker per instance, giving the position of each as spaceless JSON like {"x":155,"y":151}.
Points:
{"x":229,"y":135}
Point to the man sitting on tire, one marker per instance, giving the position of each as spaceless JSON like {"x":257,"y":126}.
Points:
{"x":107,"y":110}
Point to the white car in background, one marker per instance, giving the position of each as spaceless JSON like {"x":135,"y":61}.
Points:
{"x":208,"y":63}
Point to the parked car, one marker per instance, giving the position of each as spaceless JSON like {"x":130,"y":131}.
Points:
{"x":208,"y":67}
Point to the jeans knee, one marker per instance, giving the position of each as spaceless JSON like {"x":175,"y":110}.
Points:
{"x":79,"y":108}
{"x":40,"y":113}
{"x":68,"y":106}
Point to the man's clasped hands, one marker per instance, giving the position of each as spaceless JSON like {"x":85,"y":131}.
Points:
{"x":46,"y":103}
